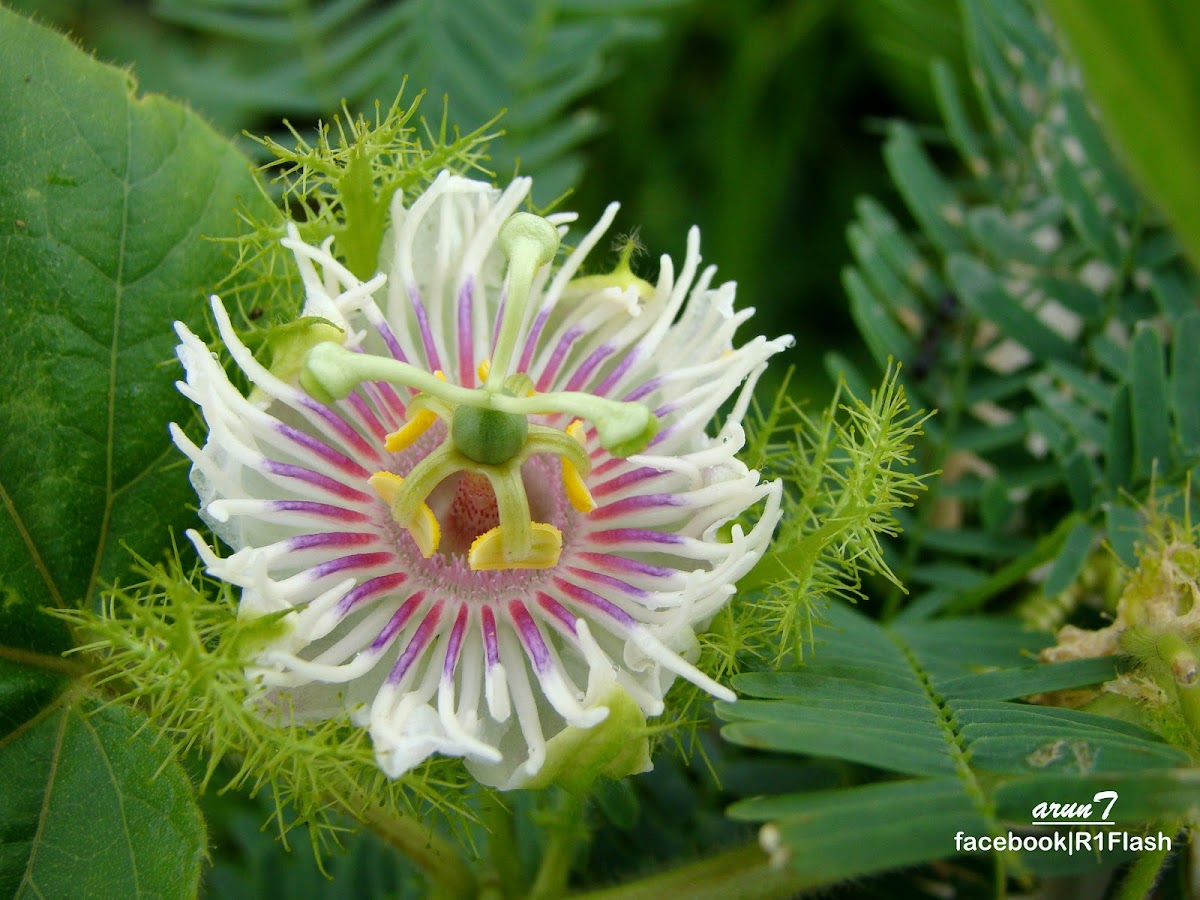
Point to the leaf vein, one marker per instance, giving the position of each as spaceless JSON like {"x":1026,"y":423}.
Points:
{"x":954,"y":739}
{"x":120,"y":797}
{"x":118,"y":296}
{"x":31,"y":546}
{"x":43,"y":814}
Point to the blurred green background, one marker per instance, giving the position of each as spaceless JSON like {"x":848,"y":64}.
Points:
{"x":759,"y":121}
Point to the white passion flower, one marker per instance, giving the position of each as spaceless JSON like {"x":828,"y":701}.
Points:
{"x":486,"y":502}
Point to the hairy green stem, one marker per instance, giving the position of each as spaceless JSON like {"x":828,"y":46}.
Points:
{"x":501,"y":875}
{"x":429,"y":851}
{"x":565,"y":837}
{"x":745,"y":873}
{"x":1140,"y":879}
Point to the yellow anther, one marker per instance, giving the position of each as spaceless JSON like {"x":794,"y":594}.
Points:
{"x":576,"y":490}
{"x":387,"y":485}
{"x":438,"y":373}
{"x":425,"y":530}
{"x":413,"y":429}
{"x":484,"y":368}
{"x":487,"y":551}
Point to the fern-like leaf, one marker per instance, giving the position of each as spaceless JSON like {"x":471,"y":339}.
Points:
{"x":1042,"y":308}
{"x":534,"y":58}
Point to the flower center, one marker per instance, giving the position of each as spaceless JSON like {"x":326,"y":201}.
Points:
{"x":473,"y":512}
{"x":489,"y":437}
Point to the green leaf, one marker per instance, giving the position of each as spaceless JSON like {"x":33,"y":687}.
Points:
{"x":1012,"y":684}
{"x":93,"y":807}
{"x":899,"y":252}
{"x":954,"y":112}
{"x":1143,"y":796}
{"x":1173,"y":294}
{"x":983,"y":291}
{"x":106,"y":204}
{"x":1185,"y":381}
{"x":885,"y":338}
{"x":1141,"y":64}
{"x":931,"y":199}
{"x":1123,"y":528}
{"x":927,"y":699}
{"x":1070,"y":560}
{"x":535,"y":60}
{"x":833,"y":835}
{"x":1080,"y":421}
{"x":1148,"y":403}
{"x":1119,"y":447}
{"x":996,"y":234}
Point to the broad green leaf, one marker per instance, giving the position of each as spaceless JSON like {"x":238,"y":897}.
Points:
{"x":93,"y":807}
{"x":1141,"y":64}
{"x":107,"y":204}
{"x":32,"y":669}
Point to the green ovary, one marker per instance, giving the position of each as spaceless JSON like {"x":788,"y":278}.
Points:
{"x":488,"y":436}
